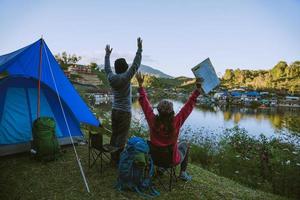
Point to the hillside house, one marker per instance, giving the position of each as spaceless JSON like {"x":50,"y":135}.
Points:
{"x":221,"y":95}
{"x":83,"y":74}
{"x":290,"y":101}
{"x":250,"y":96}
{"x":80,"y":69}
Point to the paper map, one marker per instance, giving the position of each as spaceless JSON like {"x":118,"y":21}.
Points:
{"x":206,"y":71}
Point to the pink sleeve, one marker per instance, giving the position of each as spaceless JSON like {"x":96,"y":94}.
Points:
{"x":146,"y":106}
{"x":186,"y":109}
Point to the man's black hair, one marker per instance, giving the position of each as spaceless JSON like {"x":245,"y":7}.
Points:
{"x":121,"y":65}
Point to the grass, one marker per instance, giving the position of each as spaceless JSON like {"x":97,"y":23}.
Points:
{"x":24,"y":178}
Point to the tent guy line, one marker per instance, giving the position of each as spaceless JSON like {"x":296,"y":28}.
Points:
{"x":63,"y":112}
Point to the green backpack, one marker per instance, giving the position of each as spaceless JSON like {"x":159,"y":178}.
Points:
{"x":45,"y":142}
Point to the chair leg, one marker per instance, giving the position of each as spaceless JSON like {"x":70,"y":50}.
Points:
{"x":174,"y":174}
{"x":171,"y":179}
{"x":95,"y":157}
{"x":89,"y":157}
{"x":161,"y":183}
{"x":101,"y":162}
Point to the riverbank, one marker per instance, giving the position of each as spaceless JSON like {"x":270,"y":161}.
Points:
{"x":23,"y":178}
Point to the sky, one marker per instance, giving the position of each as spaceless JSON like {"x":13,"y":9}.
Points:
{"x":177,"y":35}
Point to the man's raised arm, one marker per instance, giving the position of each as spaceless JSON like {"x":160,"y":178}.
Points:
{"x":107,"y":67}
{"x":137,"y":60}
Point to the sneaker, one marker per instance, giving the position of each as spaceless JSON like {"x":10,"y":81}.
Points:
{"x":185,"y":176}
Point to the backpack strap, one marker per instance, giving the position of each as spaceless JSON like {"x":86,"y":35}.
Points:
{"x":147,"y":196}
{"x":151,"y":170}
{"x":147,"y":183}
{"x":154,"y":192}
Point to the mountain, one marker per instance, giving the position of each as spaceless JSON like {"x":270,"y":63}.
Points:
{"x":147,"y":70}
{"x":154,"y":72}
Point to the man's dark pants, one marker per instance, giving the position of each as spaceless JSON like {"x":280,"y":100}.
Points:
{"x":120,"y":122}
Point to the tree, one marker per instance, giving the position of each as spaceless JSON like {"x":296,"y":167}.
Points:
{"x":228,"y":74}
{"x":279,"y":70}
{"x":65,"y":60}
{"x":294,"y":69}
{"x":239,"y":76}
{"x":93,"y":66}
{"x":292,"y":89}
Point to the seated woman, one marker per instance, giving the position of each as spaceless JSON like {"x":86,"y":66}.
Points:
{"x":164,"y":127}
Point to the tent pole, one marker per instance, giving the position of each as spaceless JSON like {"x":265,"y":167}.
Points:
{"x":39,"y":81}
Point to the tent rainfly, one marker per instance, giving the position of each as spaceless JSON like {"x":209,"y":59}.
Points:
{"x":35,"y":87}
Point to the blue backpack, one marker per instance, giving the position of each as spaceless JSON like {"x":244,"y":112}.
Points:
{"x":136,"y":168}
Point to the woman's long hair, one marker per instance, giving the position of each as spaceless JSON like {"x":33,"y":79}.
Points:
{"x":164,"y":124}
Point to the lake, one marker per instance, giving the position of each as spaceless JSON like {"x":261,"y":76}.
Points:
{"x":271,"y":122}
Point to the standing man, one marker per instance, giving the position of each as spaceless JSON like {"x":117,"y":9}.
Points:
{"x":121,"y":89}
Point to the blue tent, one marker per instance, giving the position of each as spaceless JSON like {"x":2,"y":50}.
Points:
{"x":20,"y":96}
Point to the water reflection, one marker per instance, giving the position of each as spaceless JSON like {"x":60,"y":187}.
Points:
{"x":279,"y":118}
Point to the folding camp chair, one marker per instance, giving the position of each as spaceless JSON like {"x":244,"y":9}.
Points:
{"x":98,"y":149}
{"x":163,"y":158}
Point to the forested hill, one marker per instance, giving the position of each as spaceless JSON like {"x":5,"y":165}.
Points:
{"x":281,"y":77}
{"x":154,"y":72}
